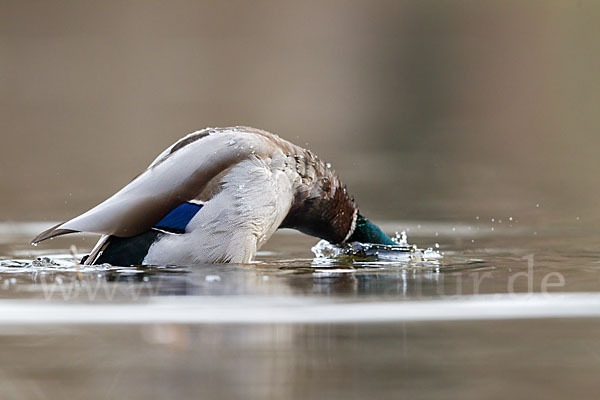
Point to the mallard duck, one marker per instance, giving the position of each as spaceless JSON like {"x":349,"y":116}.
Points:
{"x":216,"y":196}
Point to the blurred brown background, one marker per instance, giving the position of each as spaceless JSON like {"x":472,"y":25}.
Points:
{"x":438,"y":110}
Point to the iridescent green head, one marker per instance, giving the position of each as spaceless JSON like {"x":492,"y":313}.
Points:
{"x":367,"y":232}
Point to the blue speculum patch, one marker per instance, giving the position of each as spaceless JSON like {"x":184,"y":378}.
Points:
{"x":179,"y":218}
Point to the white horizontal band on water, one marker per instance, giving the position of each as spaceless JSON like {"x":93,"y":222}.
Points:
{"x":271,"y":310}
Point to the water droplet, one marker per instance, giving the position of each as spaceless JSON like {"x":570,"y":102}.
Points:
{"x":212,"y":278}
{"x":328,"y":165}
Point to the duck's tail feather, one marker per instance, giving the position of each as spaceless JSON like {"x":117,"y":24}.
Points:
{"x":126,"y":251}
{"x":96,"y":251}
{"x":132,"y":250}
{"x":175,"y":222}
{"x":179,"y":174}
{"x":56,"y":230}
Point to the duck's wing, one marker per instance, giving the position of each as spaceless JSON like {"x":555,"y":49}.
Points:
{"x":181,"y":173}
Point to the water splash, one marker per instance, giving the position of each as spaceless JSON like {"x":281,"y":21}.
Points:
{"x":40,"y":263}
{"x":402,"y":251}
{"x":66,"y":263}
{"x":401,"y":239}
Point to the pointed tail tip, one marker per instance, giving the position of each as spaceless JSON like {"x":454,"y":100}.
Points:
{"x":50,"y":233}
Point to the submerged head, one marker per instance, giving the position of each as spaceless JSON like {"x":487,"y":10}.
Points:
{"x":367,"y":232}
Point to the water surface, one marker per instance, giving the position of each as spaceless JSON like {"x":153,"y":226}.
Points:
{"x":514,"y":308}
